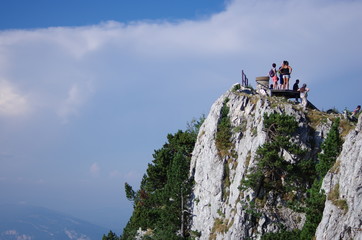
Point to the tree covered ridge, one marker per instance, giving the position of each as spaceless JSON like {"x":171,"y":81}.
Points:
{"x":161,"y":201}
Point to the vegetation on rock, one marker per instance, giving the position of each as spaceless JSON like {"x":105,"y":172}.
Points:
{"x":224,"y":132}
{"x":283,"y":172}
{"x":161,"y":202}
{"x":315,"y":199}
{"x":272,"y":172}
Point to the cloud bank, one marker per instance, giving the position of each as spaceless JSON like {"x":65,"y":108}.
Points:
{"x":53,"y":67}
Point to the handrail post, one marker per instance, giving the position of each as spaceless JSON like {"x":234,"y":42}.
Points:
{"x":244,"y":79}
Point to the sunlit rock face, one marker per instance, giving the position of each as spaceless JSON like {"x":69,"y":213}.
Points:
{"x":342,"y":216}
{"x":220,"y":208}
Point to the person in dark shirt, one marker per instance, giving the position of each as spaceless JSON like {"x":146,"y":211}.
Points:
{"x":286,"y":70}
{"x":295,"y":88}
{"x":281,"y":85}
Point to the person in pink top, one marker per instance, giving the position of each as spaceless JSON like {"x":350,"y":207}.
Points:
{"x":273,"y":75}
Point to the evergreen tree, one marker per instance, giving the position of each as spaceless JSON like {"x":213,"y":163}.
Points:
{"x":271,"y":167}
{"x":161,"y":202}
{"x":331,"y":147}
{"x":111,"y":236}
{"x":316,"y":198}
{"x":314,"y":210}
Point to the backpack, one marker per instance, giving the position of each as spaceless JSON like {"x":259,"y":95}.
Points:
{"x":271,"y":73}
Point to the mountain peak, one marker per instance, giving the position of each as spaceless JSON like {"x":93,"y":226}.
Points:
{"x":261,"y":167}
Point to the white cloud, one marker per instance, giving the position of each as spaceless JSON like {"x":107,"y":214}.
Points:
{"x":12,"y":103}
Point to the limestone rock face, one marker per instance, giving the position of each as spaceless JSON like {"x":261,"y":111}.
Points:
{"x":220,"y":208}
{"x":342,"y":216}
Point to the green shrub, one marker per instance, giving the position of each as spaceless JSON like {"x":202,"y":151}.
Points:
{"x":224,"y":132}
{"x":333,"y":196}
{"x":282,"y":235}
{"x":236,"y":87}
{"x":331,"y":148}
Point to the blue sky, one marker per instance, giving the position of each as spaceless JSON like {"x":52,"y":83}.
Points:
{"x":88,"y":89}
{"x":20,"y":14}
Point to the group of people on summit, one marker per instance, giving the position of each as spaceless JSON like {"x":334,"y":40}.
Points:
{"x":284,"y":71}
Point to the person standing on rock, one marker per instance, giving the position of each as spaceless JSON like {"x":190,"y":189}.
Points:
{"x":273,"y":75}
{"x":303,"y":95}
{"x":295,"y":88}
{"x":281,"y":82}
{"x":286,"y":70}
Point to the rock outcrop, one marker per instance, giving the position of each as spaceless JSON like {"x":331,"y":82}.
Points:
{"x":342,"y":216}
{"x":221,"y":209}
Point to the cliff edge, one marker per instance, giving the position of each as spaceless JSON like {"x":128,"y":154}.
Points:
{"x":224,"y":207}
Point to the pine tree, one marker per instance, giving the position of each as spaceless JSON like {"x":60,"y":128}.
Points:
{"x":111,"y":236}
{"x":331,"y":147}
{"x":271,"y":166}
{"x":161,"y":202}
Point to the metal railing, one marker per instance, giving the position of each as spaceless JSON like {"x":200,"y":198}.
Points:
{"x":244,"y":79}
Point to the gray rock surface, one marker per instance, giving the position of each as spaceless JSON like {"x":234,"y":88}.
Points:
{"x":342,"y":216}
{"x":221,"y":209}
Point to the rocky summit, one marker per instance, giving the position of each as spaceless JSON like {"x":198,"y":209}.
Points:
{"x":222,"y":207}
{"x":257,"y":167}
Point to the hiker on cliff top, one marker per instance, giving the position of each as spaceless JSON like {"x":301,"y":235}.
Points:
{"x":281,"y":82}
{"x":356,"y":111}
{"x":303,"y":95}
{"x":295,"y":88}
{"x":354,"y":115}
{"x":286,"y":70}
{"x":273,"y":75}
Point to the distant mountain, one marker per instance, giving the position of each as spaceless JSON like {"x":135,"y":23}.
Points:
{"x":23,"y":222}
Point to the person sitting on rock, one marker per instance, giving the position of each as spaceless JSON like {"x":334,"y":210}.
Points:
{"x":355,"y":112}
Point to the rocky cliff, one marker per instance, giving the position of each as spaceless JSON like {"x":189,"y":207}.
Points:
{"x":222,"y":208}
{"x":342,"y":216}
